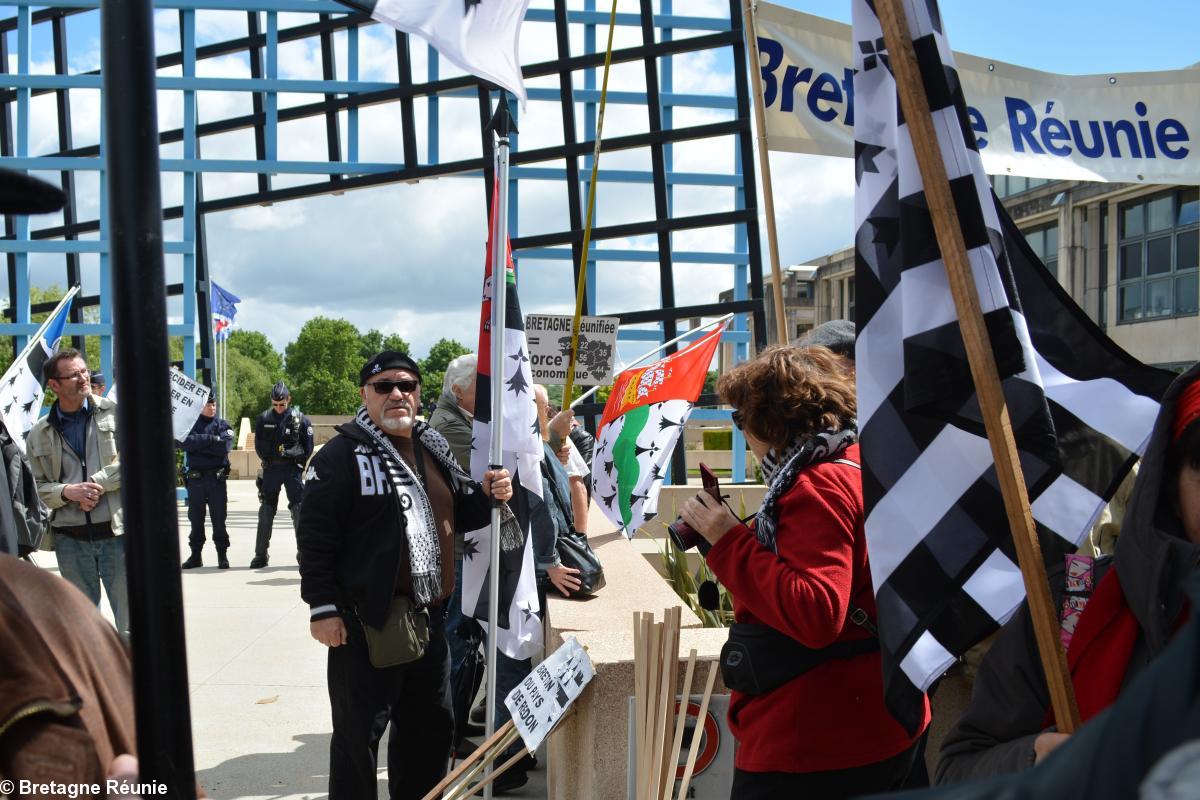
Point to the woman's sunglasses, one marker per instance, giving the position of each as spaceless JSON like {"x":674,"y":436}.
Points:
{"x":737,"y":419}
{"x":386,"y":387}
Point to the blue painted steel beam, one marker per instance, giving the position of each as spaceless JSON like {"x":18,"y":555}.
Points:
{"x":330,"y":7}
{"x":647,"y":256}
{"x":79,"y":329}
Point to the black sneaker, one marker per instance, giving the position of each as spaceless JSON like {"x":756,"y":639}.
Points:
{"x":193,"y":561}
{"x":222,"y":561}
{"x":515,"y":778}
{"x":258,"y":562}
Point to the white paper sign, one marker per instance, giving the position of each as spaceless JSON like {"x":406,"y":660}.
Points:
{"x":1139,"y":127}
{"x":549,"y":338}
{"x":539,"y":701}
{"x":187,"y":400}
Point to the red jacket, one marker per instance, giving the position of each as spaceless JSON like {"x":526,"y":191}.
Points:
{"x":833,"y":716}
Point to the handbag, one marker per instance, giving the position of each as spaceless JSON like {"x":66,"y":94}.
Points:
{"x":574,"y":551}
{"x":403,"y":637}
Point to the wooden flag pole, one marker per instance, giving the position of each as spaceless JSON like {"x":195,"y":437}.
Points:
{"x":697,"y":735}
{"x":680,"y":724}
{"x":466,"y":763}
{"x":915,"y":104}
{"x":764,"y":166}
{"x":581,"y":276}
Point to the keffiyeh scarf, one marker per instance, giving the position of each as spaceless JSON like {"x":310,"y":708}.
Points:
{"x":781,"y":468}
{"x":420,"y":527}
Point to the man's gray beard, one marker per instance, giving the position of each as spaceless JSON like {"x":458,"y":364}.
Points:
{"x":395,"y":424}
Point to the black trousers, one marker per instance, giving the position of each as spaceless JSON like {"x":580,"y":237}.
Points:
{"x":205,"y":489}
{"x":285,"y":476}
{"x":832,"y":785}
{"x":414,"y":698}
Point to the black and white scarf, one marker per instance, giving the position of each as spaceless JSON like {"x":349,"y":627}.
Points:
{"x":420,"y":526}
{"x":780,"y":468}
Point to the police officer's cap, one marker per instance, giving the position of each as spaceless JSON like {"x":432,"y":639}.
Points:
{"x":212,"y":394}
{"x":280,"y":392}
{"x":388,"y":359}
{"x":98,"y":379}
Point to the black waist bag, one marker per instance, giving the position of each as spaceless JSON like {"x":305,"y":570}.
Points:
{"x":758,"y":659}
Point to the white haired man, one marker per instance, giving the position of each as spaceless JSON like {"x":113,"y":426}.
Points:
{"x":452,"y":418}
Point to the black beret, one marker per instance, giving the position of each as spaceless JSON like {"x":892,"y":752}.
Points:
{"x":388,"y":359}
{"x":97,"y":377}
{"x":280,"y":392}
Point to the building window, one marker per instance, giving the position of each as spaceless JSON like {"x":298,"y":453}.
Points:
{"x":1044,"y":241}
{"x":1009,"y":185}
{"x":1158,"y":255}
{"x":848,"y":312}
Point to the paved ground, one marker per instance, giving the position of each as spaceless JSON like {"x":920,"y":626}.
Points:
{"x":260,"y":711}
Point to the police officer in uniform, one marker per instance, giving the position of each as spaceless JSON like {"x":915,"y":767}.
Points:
{"x":283,"y":439}
{"x":207,"y":467}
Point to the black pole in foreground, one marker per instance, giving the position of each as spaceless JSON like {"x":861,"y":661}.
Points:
{"x":164,"y":726}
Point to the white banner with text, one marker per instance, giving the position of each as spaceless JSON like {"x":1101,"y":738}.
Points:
{"x":1137,"y":127}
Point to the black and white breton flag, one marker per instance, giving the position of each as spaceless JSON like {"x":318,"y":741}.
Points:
{"x":520,"y":634}
{"x":481,"y":36}
{"x":21,"y":389}
{"x":942,"y":559}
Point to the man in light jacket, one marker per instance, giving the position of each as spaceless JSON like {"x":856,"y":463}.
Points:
{"x":73,"y":452}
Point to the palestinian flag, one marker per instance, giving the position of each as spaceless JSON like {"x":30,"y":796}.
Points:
{"x":520,"y":634}
{"x":646,"y":412}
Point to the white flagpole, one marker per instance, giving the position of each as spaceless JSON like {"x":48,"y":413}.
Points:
{"x":657,"y":349}
{"x":36,"y":339}
{"x":502,"y":123}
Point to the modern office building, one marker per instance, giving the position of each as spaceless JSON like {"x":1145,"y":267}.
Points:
{"x":1128,"y":254}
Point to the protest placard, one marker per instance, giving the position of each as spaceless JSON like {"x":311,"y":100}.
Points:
{"x":187,"y":399}
{"x":539,"y":701}
{"x":549,"y":338}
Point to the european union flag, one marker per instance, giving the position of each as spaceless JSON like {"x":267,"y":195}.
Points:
{"x":224,"y":309}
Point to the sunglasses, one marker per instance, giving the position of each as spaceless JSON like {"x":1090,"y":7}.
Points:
{"x":737,"y":419}
{"x":385,"y":387}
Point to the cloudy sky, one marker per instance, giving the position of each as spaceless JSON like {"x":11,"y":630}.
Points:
{"x":407,"y":258}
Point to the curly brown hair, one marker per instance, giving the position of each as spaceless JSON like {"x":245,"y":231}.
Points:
{"x":789,"y":392}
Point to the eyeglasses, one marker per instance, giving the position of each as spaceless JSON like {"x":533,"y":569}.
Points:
{"x":737,"y":419}
{"x":386,"y":387}
{"x":74,"y":376}
{"x":279,"y":404}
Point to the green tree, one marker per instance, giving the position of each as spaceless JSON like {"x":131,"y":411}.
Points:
{"x":247,"y":388}
{"x":373,"y":341}
{"x":322,"y":366}
{"x":433,"y":367}
{"x":257,"y":347}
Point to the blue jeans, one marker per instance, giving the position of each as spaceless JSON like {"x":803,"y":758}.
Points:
{"x":509,"y":674}
{"x":86,"y":564}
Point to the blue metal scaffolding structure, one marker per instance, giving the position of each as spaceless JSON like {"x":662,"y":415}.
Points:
{"x":271,"y":24}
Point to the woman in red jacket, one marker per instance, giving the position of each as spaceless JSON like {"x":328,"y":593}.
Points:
{"x":809,"y":716}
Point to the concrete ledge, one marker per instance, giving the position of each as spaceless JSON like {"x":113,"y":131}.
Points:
{"x":588,"y":753}
{"x":716,"y":459}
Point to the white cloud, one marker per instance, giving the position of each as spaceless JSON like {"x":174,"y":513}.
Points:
{"x":409,"y":258}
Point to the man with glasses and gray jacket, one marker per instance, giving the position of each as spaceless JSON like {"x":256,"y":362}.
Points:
{"x":73,"y":452}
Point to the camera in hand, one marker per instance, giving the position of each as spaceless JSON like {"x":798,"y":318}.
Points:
{"x":682,"y":534}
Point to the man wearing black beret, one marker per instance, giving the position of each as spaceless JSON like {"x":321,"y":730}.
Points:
{"x":382,"y":500}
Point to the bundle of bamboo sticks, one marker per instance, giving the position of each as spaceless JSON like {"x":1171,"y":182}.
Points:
{"x":658,"y":726}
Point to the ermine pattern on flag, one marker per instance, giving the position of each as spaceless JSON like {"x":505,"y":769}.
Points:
{"x":942,"y":560}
